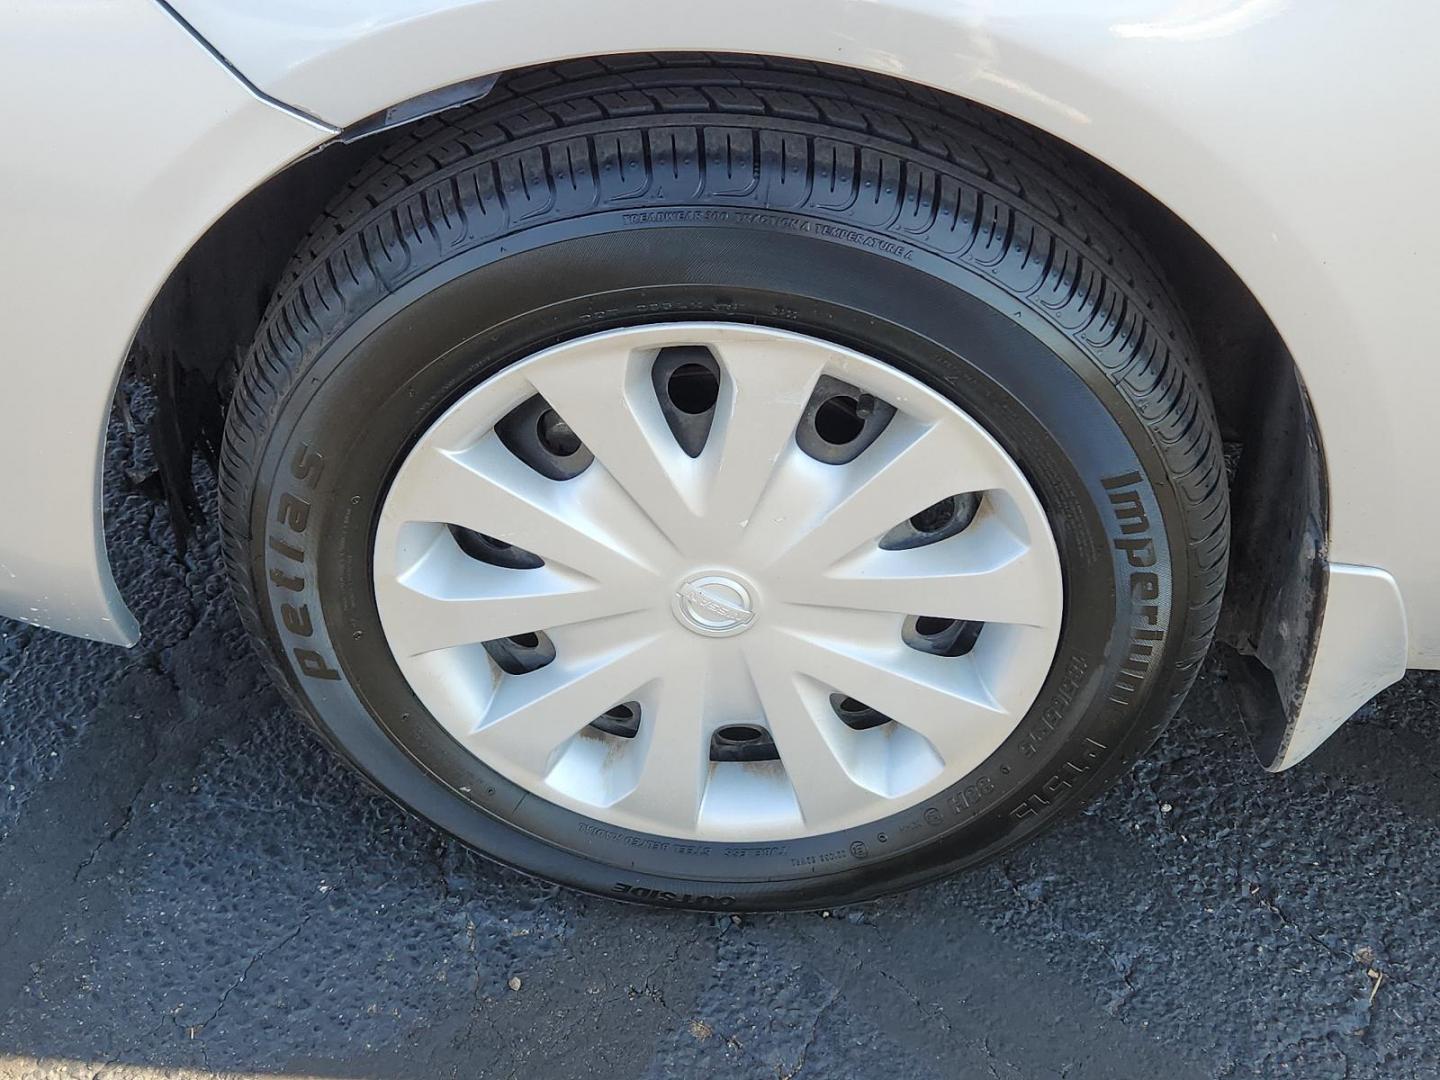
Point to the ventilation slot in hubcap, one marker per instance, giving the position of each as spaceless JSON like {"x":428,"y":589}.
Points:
{"x":840,"y":421}
{"x":856,"y":714}
{"x":743,"y":742}
{"x":539,"y":436}
{"x":488,"y":549}
{"x":521,"y":654}
{"x":687,"y":385}
{"x":939,"y":636}
{"x":622,"y":720}
{"x":940,"y":521}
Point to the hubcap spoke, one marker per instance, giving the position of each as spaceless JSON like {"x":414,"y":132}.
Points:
{"x":985,"y":575}
{"x":606,"y":398}
{"x":487,"y":489}
{"x":765,"y":389}
{"x":910,"y":467}
{"x":531,"y":715}
{"x":481,"y":603}
{"x":809,"y":737}
{"x":676,"y":749}
{"x":941,"y":698}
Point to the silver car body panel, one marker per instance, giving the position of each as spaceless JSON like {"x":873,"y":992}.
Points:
{"x":1290,"y":136}
{"x":126,"y":141}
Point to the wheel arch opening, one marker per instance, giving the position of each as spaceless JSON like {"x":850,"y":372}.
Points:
{"x":189,"y":343}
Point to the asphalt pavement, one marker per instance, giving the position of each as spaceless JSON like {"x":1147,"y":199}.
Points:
{"x":191,"y":886}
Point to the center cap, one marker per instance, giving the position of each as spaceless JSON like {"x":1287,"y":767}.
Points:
{"x":716,"y":605}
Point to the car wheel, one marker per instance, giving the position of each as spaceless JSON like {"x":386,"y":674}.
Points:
{"x":726,"y":487}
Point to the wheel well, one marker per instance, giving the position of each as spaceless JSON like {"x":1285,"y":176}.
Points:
{"x":188,"y":346}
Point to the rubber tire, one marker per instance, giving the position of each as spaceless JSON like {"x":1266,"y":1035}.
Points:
{"x":960,"y":246}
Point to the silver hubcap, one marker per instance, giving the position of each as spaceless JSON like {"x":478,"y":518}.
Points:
{"x":715,"y":581}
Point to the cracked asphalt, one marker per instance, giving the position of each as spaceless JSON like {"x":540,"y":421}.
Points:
{"x":191,"y":886}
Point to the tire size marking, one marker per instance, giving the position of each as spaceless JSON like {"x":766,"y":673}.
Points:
{"x":1062,"y":781}
{"x":1138,"y":547}
{"x":292,"y":512}
{"x":1135,"y":542}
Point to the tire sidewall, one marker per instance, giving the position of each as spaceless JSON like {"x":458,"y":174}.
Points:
{"x":353,"y":410}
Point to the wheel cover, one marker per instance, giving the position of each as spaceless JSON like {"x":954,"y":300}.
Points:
{"x":738,"y":641}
